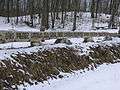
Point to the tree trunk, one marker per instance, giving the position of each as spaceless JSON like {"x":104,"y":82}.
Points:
{"x":45,"y":16}
{"x":8,"y":12}
{"x":114,"y":13}
{"x":74,"y":22}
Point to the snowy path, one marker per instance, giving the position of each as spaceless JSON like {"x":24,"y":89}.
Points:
{"x":104,"y":78}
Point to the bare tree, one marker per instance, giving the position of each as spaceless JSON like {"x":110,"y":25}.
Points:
{"x":114,"y":12}
{"x":45,"y":15}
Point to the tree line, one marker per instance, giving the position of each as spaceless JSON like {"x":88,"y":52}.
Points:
{"x":57,"y":9}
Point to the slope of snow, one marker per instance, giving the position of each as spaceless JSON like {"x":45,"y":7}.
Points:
{"x":106,"y":77}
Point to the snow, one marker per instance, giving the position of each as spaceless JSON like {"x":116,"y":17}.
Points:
{"x":50,"y":41}
{"x":6,"y":53}
{"x":12,"y":48}
{"x":14,"y":45}
{"x":20,"y":27}
{"x":84,"y":24}
{"x":105,"y":77}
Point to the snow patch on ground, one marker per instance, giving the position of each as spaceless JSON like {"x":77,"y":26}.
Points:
{"x":14,"y":45}
{"x":12,"y":48}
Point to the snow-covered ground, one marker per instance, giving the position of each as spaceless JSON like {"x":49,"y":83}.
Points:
{"x":105,"y":77}
{"x":8,"y":27}
{"x":84,"y":24}
{"x":8,"y":49}
{"x":14,"y":45}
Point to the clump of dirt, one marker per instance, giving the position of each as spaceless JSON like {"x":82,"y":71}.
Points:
{"x":43,"y":65}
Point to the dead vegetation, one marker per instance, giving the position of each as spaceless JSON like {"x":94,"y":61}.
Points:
{"x":40,"y":66}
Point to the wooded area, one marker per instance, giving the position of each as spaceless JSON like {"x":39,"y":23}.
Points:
{"x":46,"y":11}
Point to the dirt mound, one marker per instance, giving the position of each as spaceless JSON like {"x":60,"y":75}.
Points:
{"x":42,"y":65}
